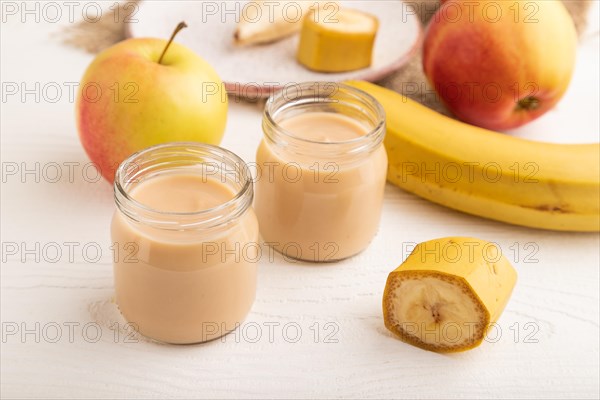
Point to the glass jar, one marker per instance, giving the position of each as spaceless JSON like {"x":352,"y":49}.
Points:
{"x":319,"y":198}
{"x":184,"y":272}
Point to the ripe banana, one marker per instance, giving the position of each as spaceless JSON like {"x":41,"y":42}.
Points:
{"x":265,"y":21}
{"x":447,"y":293}
{"x":486,"y":173}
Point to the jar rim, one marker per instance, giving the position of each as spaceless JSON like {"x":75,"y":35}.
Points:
{"x":375,"y":134}
{"x":236,"y":206}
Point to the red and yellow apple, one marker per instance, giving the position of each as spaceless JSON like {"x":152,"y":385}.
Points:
{"x":500,"y":64}
{"x":142,"y":92}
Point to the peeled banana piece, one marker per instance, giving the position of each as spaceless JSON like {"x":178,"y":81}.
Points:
{"x":447,"y":293}
{"x":345,"y":44}
{"x":486,"y":173}
{"x":266,"y":21}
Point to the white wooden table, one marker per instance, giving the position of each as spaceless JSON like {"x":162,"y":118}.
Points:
{"x":314,"y":331}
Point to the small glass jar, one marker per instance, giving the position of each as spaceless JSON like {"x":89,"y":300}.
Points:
{"x":184,"y":277}
{"x":320,"y":199}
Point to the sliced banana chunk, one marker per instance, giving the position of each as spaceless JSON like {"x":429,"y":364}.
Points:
{"x":447,"y":293}
{"x":338,"y":43}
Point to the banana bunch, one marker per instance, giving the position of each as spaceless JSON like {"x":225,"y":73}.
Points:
{"x":268,"y":21}
{"x":489,"y":174}
{"x":447,"y":293}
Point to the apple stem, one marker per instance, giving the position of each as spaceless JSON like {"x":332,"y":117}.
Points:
{"x":529,"y":103}
{"x":179,"y":27}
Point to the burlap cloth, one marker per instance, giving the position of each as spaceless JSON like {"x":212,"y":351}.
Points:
{"x":94,"y":37}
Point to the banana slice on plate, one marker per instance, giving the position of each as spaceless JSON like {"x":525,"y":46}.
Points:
{"x":345,"y":44}
{"x":447,"y":293}
{"x":268,"y":21}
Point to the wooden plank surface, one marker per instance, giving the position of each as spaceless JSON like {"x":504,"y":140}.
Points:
{"x":314,"y":331}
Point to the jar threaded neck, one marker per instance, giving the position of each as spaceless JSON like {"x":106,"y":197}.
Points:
{"x":328,"y":97}
{"x":208,"y":161}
